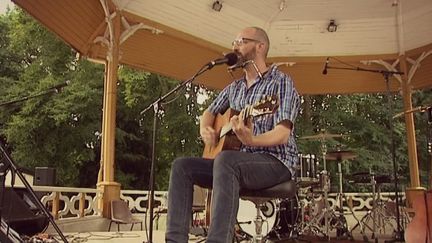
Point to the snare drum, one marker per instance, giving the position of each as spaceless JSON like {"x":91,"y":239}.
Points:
{"x":307,"y":172}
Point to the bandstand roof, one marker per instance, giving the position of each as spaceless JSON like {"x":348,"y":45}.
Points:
{"x":175,"y":38}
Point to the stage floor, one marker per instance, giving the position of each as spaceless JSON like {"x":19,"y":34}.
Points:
{"x":159,"y":237}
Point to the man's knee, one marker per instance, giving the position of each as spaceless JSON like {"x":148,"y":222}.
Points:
{"x":179,"y":164}
{"x":226,"y":160}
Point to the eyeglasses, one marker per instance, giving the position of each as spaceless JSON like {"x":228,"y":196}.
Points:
{"x":243,"y":40}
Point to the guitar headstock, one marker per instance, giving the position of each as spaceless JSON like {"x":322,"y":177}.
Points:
{"x":267,"y":105}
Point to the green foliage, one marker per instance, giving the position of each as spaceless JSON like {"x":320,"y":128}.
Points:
{"x":63,"y":130}
{"x":176,"y":131}
{"x":363,"y":119}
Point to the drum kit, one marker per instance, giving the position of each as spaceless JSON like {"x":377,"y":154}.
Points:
{"x":313,"y":215}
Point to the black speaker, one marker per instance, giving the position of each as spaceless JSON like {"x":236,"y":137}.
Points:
{"x":17,"y":214}
{"x":44,"y":176}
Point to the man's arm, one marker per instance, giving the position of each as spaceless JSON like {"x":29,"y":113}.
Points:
{"x":278,"y":135}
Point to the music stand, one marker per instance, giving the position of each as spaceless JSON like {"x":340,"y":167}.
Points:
{"x":399,"y":235}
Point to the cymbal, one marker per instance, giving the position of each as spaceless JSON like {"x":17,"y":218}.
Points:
{"x":322,"y":135}
{"x":340,"y":155}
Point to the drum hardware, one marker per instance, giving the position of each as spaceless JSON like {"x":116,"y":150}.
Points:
{"x":326,"y":188}
{"x":326,"y":213}
{"x":379,"y":212}
{"x":239,"y":234}
{"x":342,"y":229}
{"x":313,"y":214}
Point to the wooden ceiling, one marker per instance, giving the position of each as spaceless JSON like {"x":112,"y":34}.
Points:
{"x":175,"y":38}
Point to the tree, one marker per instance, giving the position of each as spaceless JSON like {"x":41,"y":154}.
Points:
{"x":364,"y":120}
{"x":63,"y":130}
{"x":176,"y":132}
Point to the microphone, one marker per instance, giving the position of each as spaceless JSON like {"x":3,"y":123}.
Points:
{"x":230,"y":59}
{"x":325,"y":66}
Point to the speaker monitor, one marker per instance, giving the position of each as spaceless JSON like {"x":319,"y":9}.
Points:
{"x":17,"y":214}
{"x":44,"y":176}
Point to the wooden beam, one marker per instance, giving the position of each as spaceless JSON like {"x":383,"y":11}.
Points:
{"x":409,"y":124}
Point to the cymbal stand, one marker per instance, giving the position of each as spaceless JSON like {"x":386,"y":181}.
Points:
{"x":374,"y":205}
{"x":342,"y":225}
{"x":362,"y":224}
{"x":326,"y":189}
{"x":378,"y":214}
{"x":311,"y":224}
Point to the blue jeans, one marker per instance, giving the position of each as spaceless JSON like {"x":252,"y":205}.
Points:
{"x":226,"y":174}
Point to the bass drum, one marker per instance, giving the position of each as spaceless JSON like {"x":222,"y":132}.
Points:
{"x":247,"y":213}
{"x":279,"y":216}
{"x":286,"y":219}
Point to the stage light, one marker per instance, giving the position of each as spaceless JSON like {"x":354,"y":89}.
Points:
{"x":332,"y":26}
{"x":217,"y":6}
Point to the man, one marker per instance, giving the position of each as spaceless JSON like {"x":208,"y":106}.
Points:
{"x":267,"y":155}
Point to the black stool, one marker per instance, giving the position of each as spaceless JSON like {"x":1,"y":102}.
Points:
{"x":287,"y":189}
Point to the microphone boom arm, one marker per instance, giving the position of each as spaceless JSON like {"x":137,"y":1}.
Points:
{"x":384,"y":72}
{"x":180,"y":85}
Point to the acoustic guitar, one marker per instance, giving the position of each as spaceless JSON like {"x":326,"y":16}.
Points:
{"x":227,"y":138}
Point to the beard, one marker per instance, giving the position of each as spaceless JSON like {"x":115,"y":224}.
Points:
{"x":250,"y":55}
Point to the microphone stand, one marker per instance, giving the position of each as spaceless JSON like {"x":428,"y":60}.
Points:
{"x":156,"y":108}
{"x":15,"y":171}
{"x":399,"y":235}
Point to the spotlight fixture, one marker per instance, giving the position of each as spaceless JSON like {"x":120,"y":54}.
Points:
{"x":332,"y":26}
{"x":217,"y":6}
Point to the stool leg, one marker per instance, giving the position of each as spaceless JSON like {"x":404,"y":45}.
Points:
{"x":258,"y":225}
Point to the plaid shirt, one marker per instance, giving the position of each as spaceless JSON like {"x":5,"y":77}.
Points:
{"x":275,"y":83}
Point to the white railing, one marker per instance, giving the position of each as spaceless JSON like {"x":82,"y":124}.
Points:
{"x":67,"y":202}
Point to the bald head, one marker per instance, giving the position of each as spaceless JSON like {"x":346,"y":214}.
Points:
{"x":262,"y":36}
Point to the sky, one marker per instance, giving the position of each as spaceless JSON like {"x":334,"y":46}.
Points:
{"x":4,"y":4}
